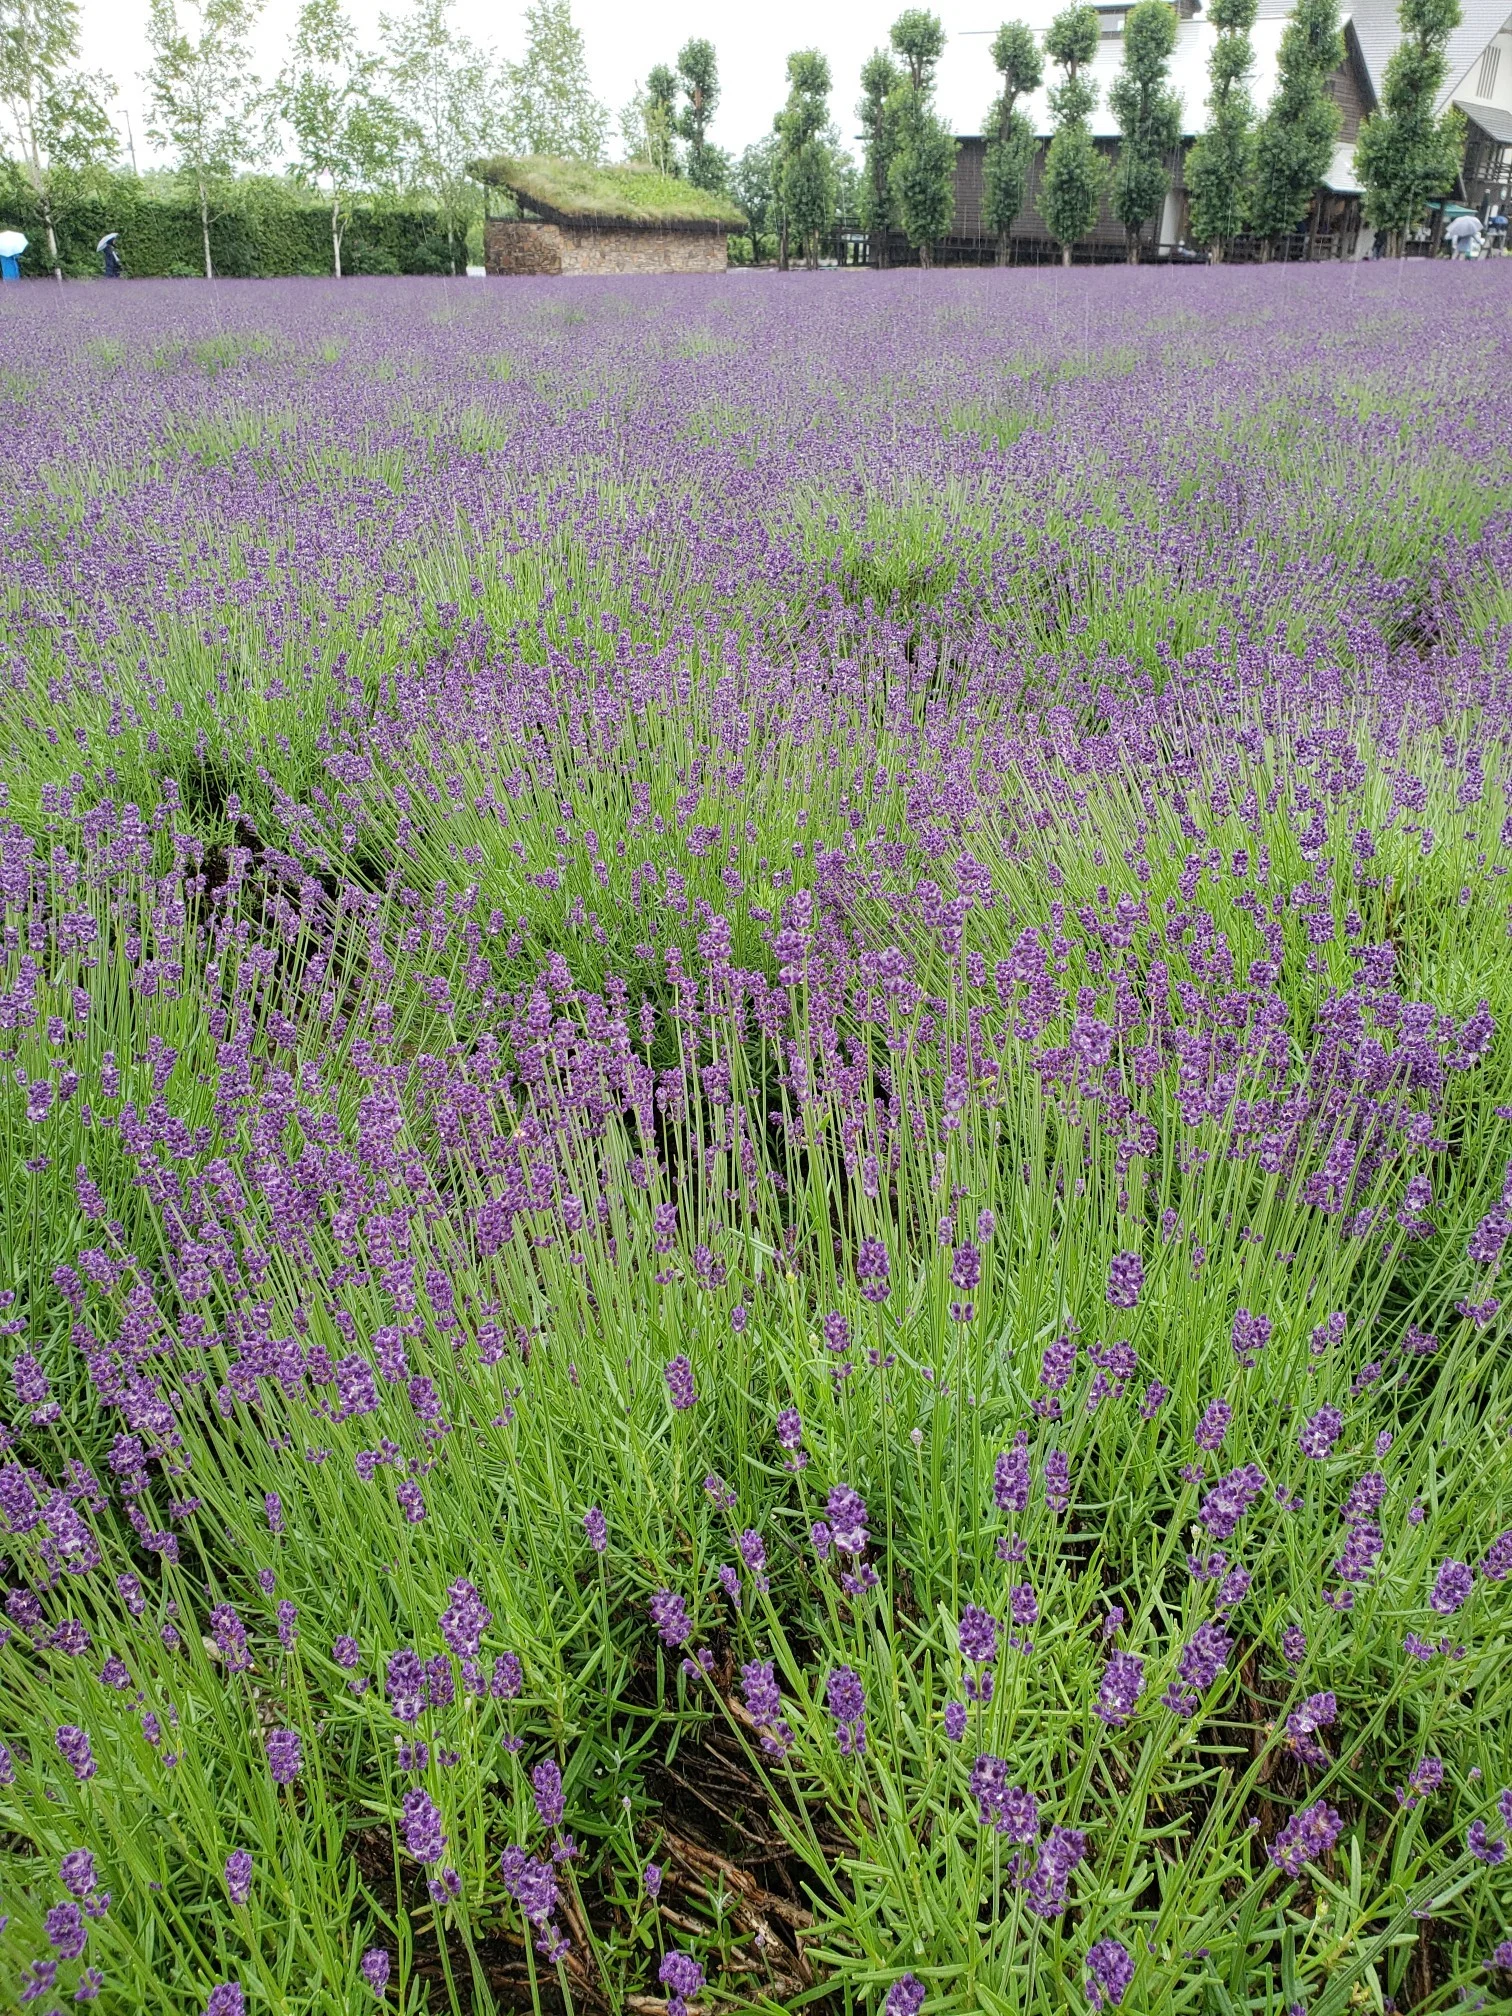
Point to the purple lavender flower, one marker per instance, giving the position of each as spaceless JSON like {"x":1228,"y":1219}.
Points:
{"x":681,"y":1975}
{"x":906,"y":1995}
{"x":346,"y":1652}
{"x":872,"y":1270}
{"x":955,"y":1720}
{"x":671,"y":1619}
{"x":1497,"y":1565}
{"x":1010,"y":1477}
{"x":1008,"y":1809}
{"x":1317,"y":1436}
{"x":66,"y":1931}
{"x":1057,"y":1480}
{"x":1451,"y":1587}
{"x":847,"y":1705}
{"x":464,"y":1620}
{"x":848,"y":1519}
{"x":978,"y":1635}
{"x":651,"y":1877}
{"x":1230,"y":1498}
{"x":1425,"y":1779}
{"x":1125,"y":1279}
{"x":422,"y":1826}
{"x":1250,"y":1335}
{"x":1307,"y":1837}
{"x":1109,"y":1972}
{"x":1482,"y":1847}
{"x":1122,"y":1684}
{"x":1045,"y":1891}
{"x":532,"y":1884}
{"x":547,"y":1782}
{"x":790,"y":1429}
{"x":226,"y":1999}
{"x":596,"y":1526}
{"x":679,"y":1377}
{"x":1501,"y":1956}
{"x":375,"y":1969}
{"x":73,"y":1748}
{"x":411,"y":1500}
{"x":284,"y":1761}
{"x":1214,"y":1425}
{"x":239,"y":1875}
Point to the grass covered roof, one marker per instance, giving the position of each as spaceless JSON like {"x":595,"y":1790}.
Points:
{"x":579,"y":192}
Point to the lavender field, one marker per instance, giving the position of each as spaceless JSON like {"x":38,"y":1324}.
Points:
{"x":758,"y":1144}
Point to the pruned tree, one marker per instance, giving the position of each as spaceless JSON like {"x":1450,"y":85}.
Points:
{"x":1296,"y":138}
{"x":754,"y":182}
{"x":880,"y":114}
{"x":1220,"y":166}
{"x":347,"y":132}
{"x":1149,"y":118}
{"x":922,"y":171}
{"x":806,"y":175}
{"x":449,"y":94}
{"x":1075,"y":173}
{"x":698,"y":73}
{"x":54,"y":110}
{"x":206,"y":105}
{"x":1407,"y":151}
{"x":550,"y":106}
{"x":1010,"y":137}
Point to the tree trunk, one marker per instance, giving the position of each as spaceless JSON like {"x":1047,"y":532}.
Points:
{"x":1002,"y":248}
{"x":204,"y":209}
{"x":1065,"y":255}
{"x":52,"y":241}
{"x":926,"y":255}
{"x":1215,"y":252}
{"x":782,"y":248}
{"x":1132,"y":253}
{"x":1265,"y":251}
{"x":335,"y":238}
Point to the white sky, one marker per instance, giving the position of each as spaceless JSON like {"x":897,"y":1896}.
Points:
{"x":623,"y":39}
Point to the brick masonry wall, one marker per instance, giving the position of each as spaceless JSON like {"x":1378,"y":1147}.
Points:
{"x":517,"y":246}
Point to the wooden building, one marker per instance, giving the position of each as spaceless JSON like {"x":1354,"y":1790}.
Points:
{"x":575,"y":217}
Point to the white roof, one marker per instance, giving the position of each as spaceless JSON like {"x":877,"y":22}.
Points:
{"x":967,"y":80}
{"x":1339,"y":175}
{"x":1375,"y":23}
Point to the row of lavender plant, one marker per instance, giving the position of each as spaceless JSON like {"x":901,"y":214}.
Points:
{"x":896,"y":1171}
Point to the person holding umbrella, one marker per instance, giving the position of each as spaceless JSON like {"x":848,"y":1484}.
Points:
{"x":12,"y":245}
{"x":107,"y":247}
{"x":1464,"y":236}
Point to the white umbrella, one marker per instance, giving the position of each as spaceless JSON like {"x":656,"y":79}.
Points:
{"x":1468,"y":226}
{"x":109,"y":239}
{"x":12,"y":244}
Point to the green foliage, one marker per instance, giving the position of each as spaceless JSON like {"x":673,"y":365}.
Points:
{"x":753,"y":183}
{"x":551,"y":106}
{"x":590,"y":189}
{"x":450,"y":97}
{"x":205,"y":101}
{"x":921,"y":173}
{"x":806,"y":168}
{"x":1405,"y":155}
{"x":1220,"y":165}
{"x":879,"y":113}
{"x":698,"y":69}
{"x":1075,"y":173}
{"x":55,"y":112}
{"x":1295,"y":141}
{"x":265,"y":228}
{"x":1149,"y":115}
{"x":1010,"y":139}
{"x":919,"y":38}
{"x":348,"y":133}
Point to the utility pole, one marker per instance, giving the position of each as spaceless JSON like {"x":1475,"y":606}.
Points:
{"x":130,"y":141}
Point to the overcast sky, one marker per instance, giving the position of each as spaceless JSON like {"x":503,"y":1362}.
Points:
{"x":623,"y":39}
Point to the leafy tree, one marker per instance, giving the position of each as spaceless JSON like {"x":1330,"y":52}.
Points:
{"x":1010,"y":138}
{"x":1220,"y":166}
{"x":922,"y":172}
{"x":661,"y":118}
{"x":753,"y":180}
{"x":55,"y":111}
{"x":449,"y":96}
{"x":1295,"y":141}
{"x":551,"y":106}
{"x":1149,"y":117}
{"x":206,"y":105}
{"x":347,"y":132}
{"x":1405,"y":154}
{"x":1075,"y":172}
{"x":879,"y":113}
{"x":806,"y":174}
{"x":698,"y":71}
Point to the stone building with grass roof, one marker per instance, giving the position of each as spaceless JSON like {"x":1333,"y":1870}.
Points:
{"x":575,"y":217}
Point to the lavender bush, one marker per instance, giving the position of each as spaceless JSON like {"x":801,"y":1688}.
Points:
{"x":757,"y":1150}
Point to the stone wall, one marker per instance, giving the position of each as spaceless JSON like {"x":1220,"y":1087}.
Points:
{"x":513,"y":245}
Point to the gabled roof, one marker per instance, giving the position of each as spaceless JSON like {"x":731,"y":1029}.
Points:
{"x":1491,"y":119}
{"x":628,"y":195}
{"x":1376,"y":25}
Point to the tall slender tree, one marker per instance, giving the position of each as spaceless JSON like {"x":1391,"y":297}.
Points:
{"x":551,"y":108}
{"x":206,"y":103}
{"x":1295,"y":140}
{"x":1149,"y":118}
{"x":698,"y":73}
{"x":450,"y":95}
{"x":754,"y":181}
{"x":55,"y":110}
{"x":1220,"y":166}
{"x":1075,"y":173}
{"x":661,"y":118}
{"x":1408,"y":152}
{"x":347,"y":132}
{"x":806,"y":179}
{"x":879,"y":112}
{"x":1010,"y":138}
{"x":922,"y":172}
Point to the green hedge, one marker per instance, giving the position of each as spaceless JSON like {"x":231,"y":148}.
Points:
{"x":267,"y":229}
